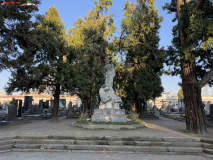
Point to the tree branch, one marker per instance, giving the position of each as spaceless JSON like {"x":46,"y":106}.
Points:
{"x":209,"y":74}
{"x":200,"y":4}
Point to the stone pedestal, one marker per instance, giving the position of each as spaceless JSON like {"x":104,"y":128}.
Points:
{"x":105,"y":115}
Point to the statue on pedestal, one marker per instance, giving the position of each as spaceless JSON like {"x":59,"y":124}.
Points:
{"x":110,"y":104}
{"x":108,"y":97}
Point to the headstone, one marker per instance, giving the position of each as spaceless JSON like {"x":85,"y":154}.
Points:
{"x":63,"y":102}
{"x":75,"y":108}
{"x":11,"y":113}
{"x":19,"y":108}
{"x":211,"y":110}
{"x":4,"y":105}
{"x":70,"y":106}
{"x":41,"y":104}
{"x":6,"y":109}
{"x":27,"y":99}
{"x":47,"y":103}
{"x":51,"y":103}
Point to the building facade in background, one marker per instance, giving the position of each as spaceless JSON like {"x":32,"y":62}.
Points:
{"x":206,"y":91}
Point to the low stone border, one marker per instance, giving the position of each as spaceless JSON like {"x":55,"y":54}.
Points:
{"x":110,"y":126}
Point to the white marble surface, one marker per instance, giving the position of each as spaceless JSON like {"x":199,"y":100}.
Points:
{"x":108,"y":97}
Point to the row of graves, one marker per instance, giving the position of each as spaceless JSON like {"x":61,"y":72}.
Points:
{"x":178,"y":113}
{"x":26,"y":110}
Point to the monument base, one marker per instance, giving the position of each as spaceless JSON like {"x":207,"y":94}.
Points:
{"x":106,"y":115}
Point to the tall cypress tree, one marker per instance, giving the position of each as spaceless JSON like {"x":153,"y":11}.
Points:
{"x":15,"y":27}
{"x":44,"y":59}
{"x":89,"y":36}
{"x":141,"y":25}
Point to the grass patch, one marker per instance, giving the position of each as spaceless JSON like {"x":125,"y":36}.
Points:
{"x":115,"y":123}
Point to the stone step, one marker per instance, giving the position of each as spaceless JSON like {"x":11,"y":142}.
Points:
{"x":44,"y":141}
{"x":109,"y":142}
{"x":5,"y":151}
{"x":111,"y":138}
{"x":139,"y":143}
{"x":207,"y":145}
{"x":185,"y":149}
{"x":135,"y":148}
{"x":6,"y":142}
{"x":207,"y":140}
{"x":7,"y":138}
{"x":180,"y":139}
{"x":5,"y":147}
{"x":72,"y":147}
{"x":209,"y":151}
{"x":125,"y":148}
{"x":28,"y":146}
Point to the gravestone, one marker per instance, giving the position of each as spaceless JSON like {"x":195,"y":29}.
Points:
{"x":26,"y":103}
{"x":6,"y":109}
{"x":63,"y":102}
{"x":51,"y":103}
{"x":4,"y":105}
{"x":70,"y":106}
{"x":75,"y":108}
{"x":41,"y":104}
{"x":47,"y":104}
{"x":211,"y":110}
{"x":19,"y":108}
{"x":12,"y":113}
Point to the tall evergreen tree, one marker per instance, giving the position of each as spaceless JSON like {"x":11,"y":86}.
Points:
{"x":43,"y":57}
{"x":191,"y":54}
{"x":89,"y":36}
{"x":140,"y":25}
{"x":15,"y":25}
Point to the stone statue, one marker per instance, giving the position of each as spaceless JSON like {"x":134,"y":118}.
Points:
{"x":110,"y":104}
{"x":108,"y":97}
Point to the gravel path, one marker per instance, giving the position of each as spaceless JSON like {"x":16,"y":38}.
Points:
{"x":163,"y":127}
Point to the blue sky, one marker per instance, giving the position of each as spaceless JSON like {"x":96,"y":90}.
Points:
{"x":71,"y":10}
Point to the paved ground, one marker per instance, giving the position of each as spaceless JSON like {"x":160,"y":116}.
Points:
{"x":163,"y":127}
{"x":94,"y":156}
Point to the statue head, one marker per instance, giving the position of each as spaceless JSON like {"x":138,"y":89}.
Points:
{"x":107,"y":60}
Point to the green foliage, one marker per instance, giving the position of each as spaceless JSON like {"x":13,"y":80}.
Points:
{"x":180,"y":94}
{"x":134,"y":116}
{"x":41,"y":64}
{"x":198,"y":34}
{"x":89,"y":38}
{"x":83,"y":117}
{"x":143,"y":65}
{"x":15,"y":30}
{"x":7,"y":102}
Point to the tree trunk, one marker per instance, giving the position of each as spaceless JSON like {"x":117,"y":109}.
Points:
{"x":134,"y":101}
{"x":56,"y":104}
{"x":88,"y":105}
{"x":195,"y":118}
